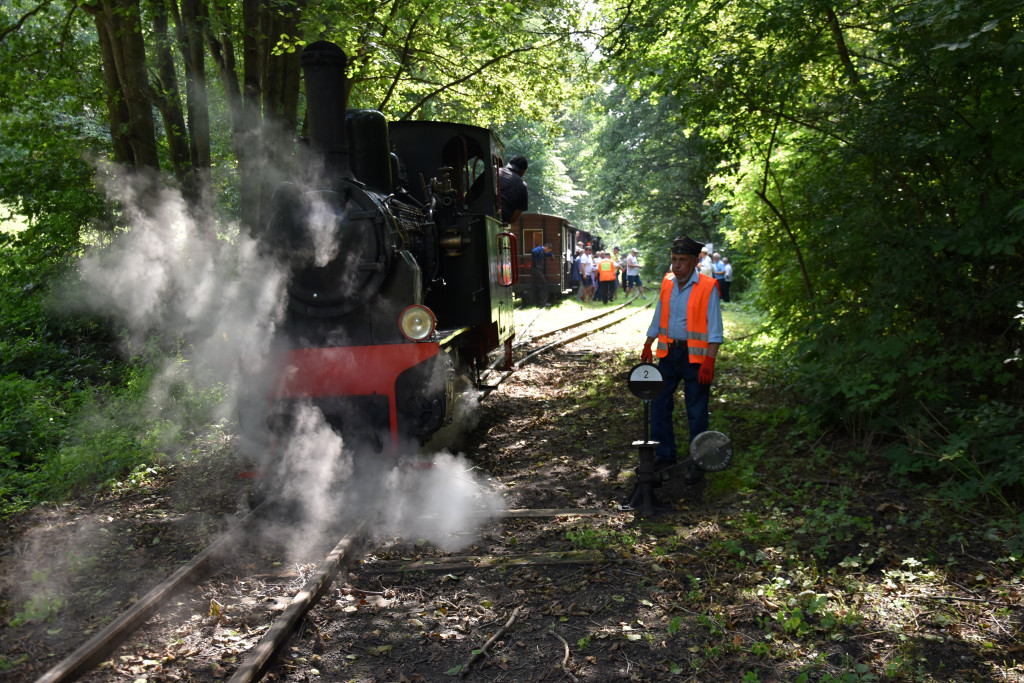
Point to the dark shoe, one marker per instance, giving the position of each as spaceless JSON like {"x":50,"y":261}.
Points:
{"x":662,"y":468}
{"x":694,"y":475}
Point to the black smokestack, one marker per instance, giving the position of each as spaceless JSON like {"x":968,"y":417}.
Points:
{"x":323,"y":65}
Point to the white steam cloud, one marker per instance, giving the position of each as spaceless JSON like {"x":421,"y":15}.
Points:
{"x":443,"y":504}
{"x":172,"y":278}
{"x":323,"y":228}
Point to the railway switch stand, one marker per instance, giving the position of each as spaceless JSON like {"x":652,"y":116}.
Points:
{"x":645,"y":382}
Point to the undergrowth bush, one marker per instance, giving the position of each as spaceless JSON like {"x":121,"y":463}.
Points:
{"x":74,"y":412}
{"x":33,"y":415}
{"x":972,"y":453}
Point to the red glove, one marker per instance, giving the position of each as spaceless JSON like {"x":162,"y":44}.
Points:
{"x":707,"y":370}
{"x":646,"y":356}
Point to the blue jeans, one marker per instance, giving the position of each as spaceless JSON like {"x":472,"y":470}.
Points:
{"x":675,"y":368}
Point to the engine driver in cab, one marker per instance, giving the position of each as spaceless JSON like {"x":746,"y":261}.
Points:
{"x":515,"y":198}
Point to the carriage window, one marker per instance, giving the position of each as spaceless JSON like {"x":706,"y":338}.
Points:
{"x":532,"y":239}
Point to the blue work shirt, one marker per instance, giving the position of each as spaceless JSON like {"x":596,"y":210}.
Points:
{"x":538,"y":256}
{"x":677,"y":304}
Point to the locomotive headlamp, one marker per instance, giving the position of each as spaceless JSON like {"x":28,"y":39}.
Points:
{"x":417,"y":322}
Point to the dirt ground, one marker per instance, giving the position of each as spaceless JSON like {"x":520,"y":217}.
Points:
{"x":588,"y":594}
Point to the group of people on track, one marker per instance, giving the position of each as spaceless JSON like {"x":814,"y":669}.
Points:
{"x":602,"y":275}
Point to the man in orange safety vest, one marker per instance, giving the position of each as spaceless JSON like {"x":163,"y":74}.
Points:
{"x":606,"y":277}
{"x":687,"y":325}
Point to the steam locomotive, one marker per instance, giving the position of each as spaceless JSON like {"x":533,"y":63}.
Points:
{"x":400,"y":274}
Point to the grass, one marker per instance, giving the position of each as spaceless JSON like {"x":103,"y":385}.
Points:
{"x":806,"y":560}
{"x":80,"y":438}
{"x":810,"y":559}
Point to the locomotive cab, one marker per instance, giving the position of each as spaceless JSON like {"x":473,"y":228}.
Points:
{"x":470,"y":293}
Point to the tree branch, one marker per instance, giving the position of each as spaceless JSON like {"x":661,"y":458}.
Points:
{"x":403,"y":62}
{"x":840,"y":41}
{"x":780,"y":213}
{"x":16,"y":26}
{"x":477,"y":654}
{"x":482,"y":67}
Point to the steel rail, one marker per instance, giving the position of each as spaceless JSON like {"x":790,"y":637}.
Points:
{"x":600,"y":315}
{"x":256,"y":665}
{"x":529,"y":340}
{"x":566,"y":340}
{"x":101,"y":645}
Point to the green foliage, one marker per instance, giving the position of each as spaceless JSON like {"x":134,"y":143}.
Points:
{"x":66,"y":441}
{"x":32,"y":418}
{"x":482,"y":63}
{"x":44,"y":605}
{"x":975,"y":453}
{"x":600,"y":538}
{"x":49,"y":365}
{"x":104,"y":436}
{"x":72,"y":412}
{"x":652,"y":175}
{"x":860,"y":673}
{"x":7,"y":664}
{"x":552,"y":190}
{"x":872,"y":169}
{"x":49,"y":126}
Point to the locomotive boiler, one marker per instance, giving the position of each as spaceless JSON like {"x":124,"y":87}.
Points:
{"x":400,"y":274}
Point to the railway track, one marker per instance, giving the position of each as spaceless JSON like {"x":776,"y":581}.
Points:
{"x":348,"y":550}
{"x":562,"y":336}
{"x":101,"y":646}
{"x":104,"y":643}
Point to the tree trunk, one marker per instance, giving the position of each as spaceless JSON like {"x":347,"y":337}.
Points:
{"x":116,"y":106}
{"x":117,"y":23}
{"x":192,"y":22}
{"x":168,"y":98}
{"x":281,"y":85}
{"x":263,"y":105}
{"x":248,"y":136}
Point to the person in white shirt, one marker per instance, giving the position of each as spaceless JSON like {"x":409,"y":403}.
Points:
{"x":633,"y":274}
{"x":587,"y":265}
{"x":704,"y":263}
{"x":726,"y":283}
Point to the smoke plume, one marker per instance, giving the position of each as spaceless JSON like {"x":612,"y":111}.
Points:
{"x":216,"y":301}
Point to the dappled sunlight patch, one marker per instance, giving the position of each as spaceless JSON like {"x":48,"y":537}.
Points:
{"x":702,"y":530}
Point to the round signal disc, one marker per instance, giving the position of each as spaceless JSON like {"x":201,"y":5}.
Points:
{"x":712,"y":451}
